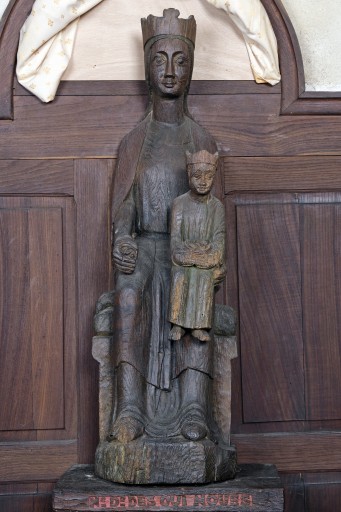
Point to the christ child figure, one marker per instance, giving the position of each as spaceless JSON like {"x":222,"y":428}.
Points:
{"x":197,"y":250}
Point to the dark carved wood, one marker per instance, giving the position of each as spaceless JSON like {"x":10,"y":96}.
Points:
{"x":167,"y":423}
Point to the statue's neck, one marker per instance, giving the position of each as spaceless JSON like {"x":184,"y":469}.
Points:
{"x":168,"y":110}
{"x":198,"y":198}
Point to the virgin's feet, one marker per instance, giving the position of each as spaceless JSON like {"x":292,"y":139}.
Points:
{"x":126,"y":429}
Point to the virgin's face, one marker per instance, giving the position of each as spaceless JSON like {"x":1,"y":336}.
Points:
{"x":170,"y":67}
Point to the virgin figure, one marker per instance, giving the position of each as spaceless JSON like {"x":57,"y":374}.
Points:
{"x":160,"y":384}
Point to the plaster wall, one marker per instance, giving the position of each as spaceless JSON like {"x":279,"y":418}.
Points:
{"x":317,"y":25}
{"x":108,"y":45}
{"x":3,"y":5}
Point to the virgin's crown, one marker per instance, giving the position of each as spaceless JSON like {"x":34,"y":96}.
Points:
{"x":168,"y":25}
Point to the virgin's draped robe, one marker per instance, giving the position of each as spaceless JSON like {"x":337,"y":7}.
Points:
{"x":192,"y":287}
{"x":148,"y":179}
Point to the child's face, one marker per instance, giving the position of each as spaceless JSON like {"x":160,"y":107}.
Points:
{"x":201,"y":178}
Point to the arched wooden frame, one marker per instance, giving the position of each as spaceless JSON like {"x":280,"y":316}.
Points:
{"x":13,"y":18}
{"x":295,"y":100}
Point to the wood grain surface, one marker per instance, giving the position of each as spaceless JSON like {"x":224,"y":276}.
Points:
{"x":92,"y":196}
{"x":270,"y":309}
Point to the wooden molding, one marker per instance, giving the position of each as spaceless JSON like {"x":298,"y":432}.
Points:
{"x":139,"y":88}
{"x":13,"y":18}
{"x":295,"y":100}
{"x":30,"y":461}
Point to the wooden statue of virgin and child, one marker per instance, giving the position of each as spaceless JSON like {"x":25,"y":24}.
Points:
{"x":165,"y":374}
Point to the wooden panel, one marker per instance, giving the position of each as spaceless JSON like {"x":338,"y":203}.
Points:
{"x":42,"y":503}
{"x":17,"y":503}
{"x":18,"y":488}
{"x":243,"y":125}
{"x":313,"y":451}
{"x":270,"y":312}
{"x":32,"y":318}
{"x":46,"y":316}
{"x":67,"y":344}
{"x":282,"y":173}
{"x":139,"y":88}
{"x":45,"y":487}
{"x":36,"y":177}
{"x":92,"y":195}
{"x":33,"y":461}
{"x":39,"y":503}
{"x":322,"y":492}
{"x":16,"y":341}
{"x":322,"y":305}
{"x":293,"y":492}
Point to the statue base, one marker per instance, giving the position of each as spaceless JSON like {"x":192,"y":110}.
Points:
{"x":256,"y":488}
{"x":173,"y":461}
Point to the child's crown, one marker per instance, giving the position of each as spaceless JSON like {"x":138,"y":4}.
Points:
{"x":202,"y":157}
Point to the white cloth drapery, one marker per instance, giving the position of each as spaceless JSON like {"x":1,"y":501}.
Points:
{"x":46,"y":43}
{"x":251,"y":19}
{"x":48,"y":34}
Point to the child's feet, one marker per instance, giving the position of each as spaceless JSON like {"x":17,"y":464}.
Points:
{"x":201,"y":334}
{"x":176,"y":333}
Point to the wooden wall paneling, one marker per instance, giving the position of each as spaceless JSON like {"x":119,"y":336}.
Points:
{"x":32,"y":319}
{"x":47,"y":225}
{"x":270,"y":312}
{"x":38,"y":503}
{"x":299,"y":173}
{"x":322,"y":303}
{"x":34,"y":461}
{"x":18,"y":488}
{"x":46,"y":315}
{"x":246,"y":128}
{"x":139,"y":88}
{"x":322,"y":492}
{"x":92,"y":196}
{"x":70,"y":126}
{"x":70,"y":325}
{"x":231,"y":298}
{"x":17,"y":503}
{"x":42,"y":503}
{"x":294,"y":498}
{"x":305,"y":451}
{"x":16,"y":339}
{"x":45,"y":487}
{"x":43,"y":177}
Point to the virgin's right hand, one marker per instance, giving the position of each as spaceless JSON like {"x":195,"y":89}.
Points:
{"x":124,"y":255}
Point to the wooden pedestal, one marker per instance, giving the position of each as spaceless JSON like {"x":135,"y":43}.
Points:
{"x":256,"y":488}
